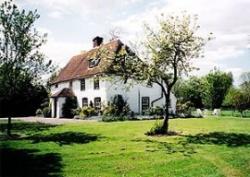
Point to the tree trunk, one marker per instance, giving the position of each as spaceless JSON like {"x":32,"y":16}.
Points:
{"x":9,"y":126}
{"x":165,"y":125}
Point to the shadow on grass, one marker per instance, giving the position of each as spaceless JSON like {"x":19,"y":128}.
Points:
{"x":26,"y":126}
{"x":220,"y":138}
{"x":170,"y":148}
{"x":26,"y":162}
{"x":65,"y":138}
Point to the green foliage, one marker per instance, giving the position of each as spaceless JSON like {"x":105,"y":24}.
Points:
{"x":85,"y":112}
{"x":47,"y":111}
{"x":219,"y":84}
{"x":238,"y":99}
{"x":156,"y":111}
{"x":88,"y":111}
{"x":123,"y":147}
{"x":158,"y":129}
{"x":184,"y":108}
{"x":39,"y":112}
{"x":21,"y":62}
{"x":117,"y":108}
{"x":168,"y":50}
{"x":110,"y":118}
{"x":193,"y":90}
{"x":69,"y":106}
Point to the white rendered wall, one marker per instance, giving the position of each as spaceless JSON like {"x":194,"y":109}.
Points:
{"x":108,"y":89}
{"x":133,"y":95}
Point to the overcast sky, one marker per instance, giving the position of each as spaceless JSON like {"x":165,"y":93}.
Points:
{"x":71,"y":25}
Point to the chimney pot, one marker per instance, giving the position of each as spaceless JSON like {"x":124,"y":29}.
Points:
{"x":97,"y":41}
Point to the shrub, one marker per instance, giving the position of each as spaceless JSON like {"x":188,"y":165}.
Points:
{"x":184,"y":108}
{"x":118,"y":107}
{"x":39,"y":112}
{"x":77,"y":111}
{"x":69,"y":106}
{"x":158,"y":111}
{"x":89,"y":111}
{"x":46,"y":112}
{"x":84,"y":112}
{"x":113,"y":118}
{"x":156,"y":129}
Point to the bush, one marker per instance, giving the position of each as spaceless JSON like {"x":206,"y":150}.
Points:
{"x":118,"y":107}
{"x":156,"y":129}
{"x":113,"y":118}
{"x":85,"y":112}
{"x":184,"y":108}
{"x":39,"y":112}
{"x":89,"y":111}
{"x":156,"y":111}
{"x":46,"y":112}
{"x":69,"y":106}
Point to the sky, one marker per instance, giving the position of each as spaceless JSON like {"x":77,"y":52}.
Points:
{"x":72,"y":24}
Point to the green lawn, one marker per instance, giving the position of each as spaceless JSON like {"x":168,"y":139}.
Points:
{"x":207,"y":147}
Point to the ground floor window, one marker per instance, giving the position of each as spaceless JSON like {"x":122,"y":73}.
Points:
{"x":97,"y":102}
{"x":84,"y":102}
{"x":144,"y":104}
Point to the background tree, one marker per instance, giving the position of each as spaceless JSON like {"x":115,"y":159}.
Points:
{"x":194,"y":90}
{"x":245,"y":82}
{"x":237,"y":99}
{"x":21,"y":62}
{"x":169,"y":49}
{"x":219,"y":84}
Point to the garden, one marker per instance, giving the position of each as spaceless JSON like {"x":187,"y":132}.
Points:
{"x":204,"y":147}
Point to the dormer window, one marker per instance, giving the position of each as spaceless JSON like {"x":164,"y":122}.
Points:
{"x":94,"y":62}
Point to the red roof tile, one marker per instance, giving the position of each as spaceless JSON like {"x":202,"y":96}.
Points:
{"x":78,"y":66}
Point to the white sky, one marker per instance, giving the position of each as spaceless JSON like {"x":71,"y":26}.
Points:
{"x":71,"y":25}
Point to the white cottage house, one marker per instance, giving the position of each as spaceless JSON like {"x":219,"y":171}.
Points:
{"x":84,"y":77}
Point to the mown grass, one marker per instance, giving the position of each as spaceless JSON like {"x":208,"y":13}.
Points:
{"x":213,"y":147}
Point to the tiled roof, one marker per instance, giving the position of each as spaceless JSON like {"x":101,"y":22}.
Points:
{"x":65,"y":92}
{"x":78,"y":66}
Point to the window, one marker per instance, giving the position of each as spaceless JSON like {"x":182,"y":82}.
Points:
{"x":94,"y":62}
{"x":84,"y":102}
{"x":145,"y":104}
{"x":82,"y":84}
{"x":70,"y":84}
{"x":96,"y":83}
{"x":56,"y":86}
{"x":97,"y":102}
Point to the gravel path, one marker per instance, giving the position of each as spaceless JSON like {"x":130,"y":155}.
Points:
{"x":54,"y":121}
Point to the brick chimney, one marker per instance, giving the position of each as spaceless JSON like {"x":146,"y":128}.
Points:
{"x":97,"y":41}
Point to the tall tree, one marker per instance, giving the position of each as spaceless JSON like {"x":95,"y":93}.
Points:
{"x":245,"y":82}
{"x":194,"y":90}
{"x":21,"y":62}
{"x":219,"y":84}
{"x":169,"y":50}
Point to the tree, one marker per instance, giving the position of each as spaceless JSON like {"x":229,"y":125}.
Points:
{"x":21,"y":62}
{"x":238,"y":99}
{"x":219,"y":84}
{"x":245,"y":84}
{"x":194,"y":90}
{"x":169,"y":50}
